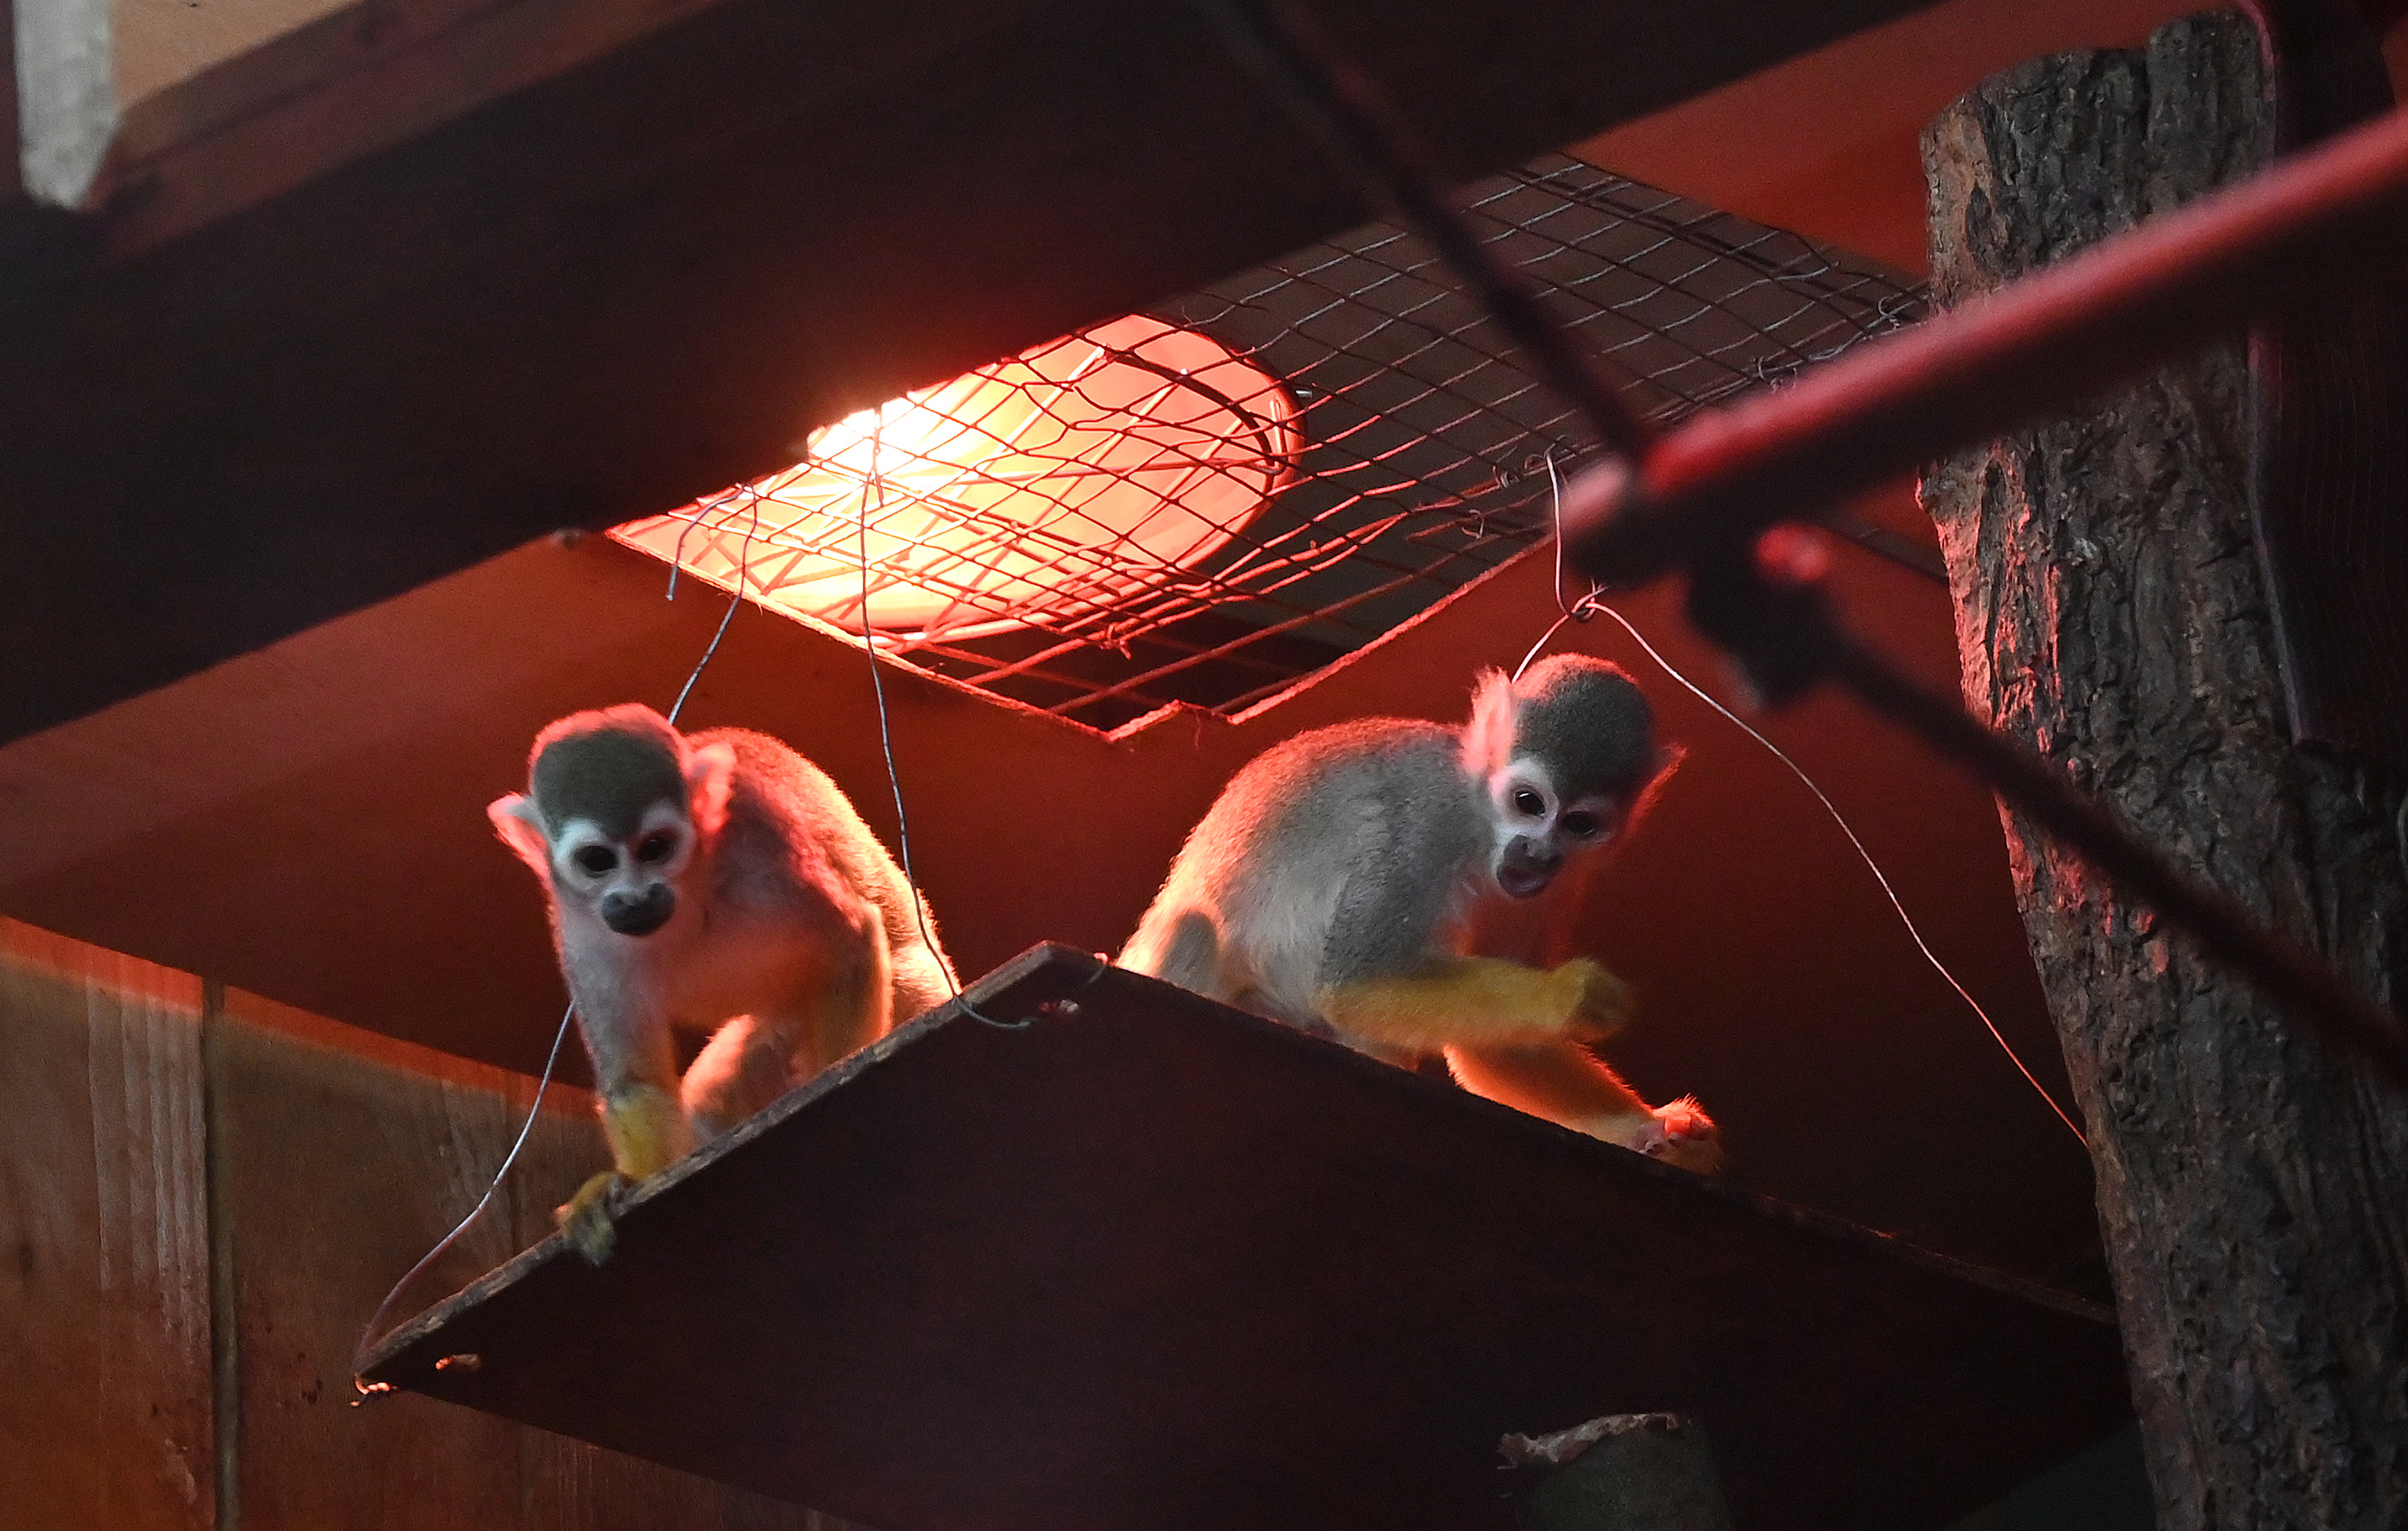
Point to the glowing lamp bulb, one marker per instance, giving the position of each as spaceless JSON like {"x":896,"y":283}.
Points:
{"x":1040,"y":488}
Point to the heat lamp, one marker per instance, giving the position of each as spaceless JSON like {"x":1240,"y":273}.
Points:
{"x":1030,"y":492}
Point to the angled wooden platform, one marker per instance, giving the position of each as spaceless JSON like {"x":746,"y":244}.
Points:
{"x":1153,"y":1263}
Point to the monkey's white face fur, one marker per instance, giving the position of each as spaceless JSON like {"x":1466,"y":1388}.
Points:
{"x":629,"y":884}
{"x":1533,"y":832}
{"x":1532,"y":829}
{"x":620,"y":864}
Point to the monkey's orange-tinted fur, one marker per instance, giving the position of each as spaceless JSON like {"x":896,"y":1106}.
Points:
{"x":1481,"y":1000}
{"x":1562,"y":1083}
{"x":1566,"y":1083}
{"x":723,"y":884}
{"x":647,"y":1128}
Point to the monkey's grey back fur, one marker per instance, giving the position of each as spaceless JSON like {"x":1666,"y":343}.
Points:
{"x":607,"y":765}
{"x":1348,"y":881}
{"x":1327,"y":858}
{"x":1590,"y":719}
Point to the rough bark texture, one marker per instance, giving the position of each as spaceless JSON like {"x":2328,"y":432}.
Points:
{"x":1621,"y":1471}
{"x":2253,"y":1186}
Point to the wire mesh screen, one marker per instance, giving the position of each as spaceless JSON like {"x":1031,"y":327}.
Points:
{"x":1211,"y":500}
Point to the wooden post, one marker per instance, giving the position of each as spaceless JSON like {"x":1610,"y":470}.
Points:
{"x":2253,"y":1188}
{"x":12,"y":153}
{"x":1622,"y":1472}
{"x":66,"y":88}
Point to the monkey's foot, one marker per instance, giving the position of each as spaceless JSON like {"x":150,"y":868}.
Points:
{"x":1681,"y":1134}
{"x":586,"y":1217}
{"x":1596,"y":1004}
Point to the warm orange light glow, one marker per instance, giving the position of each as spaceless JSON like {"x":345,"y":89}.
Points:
{"x":1041,"y":488}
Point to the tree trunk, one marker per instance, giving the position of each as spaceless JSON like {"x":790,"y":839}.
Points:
{"x":2253,"y":1185}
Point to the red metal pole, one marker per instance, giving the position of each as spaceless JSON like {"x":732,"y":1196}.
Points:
{"x":2317,"y":224}
{"x":2314,"y":225}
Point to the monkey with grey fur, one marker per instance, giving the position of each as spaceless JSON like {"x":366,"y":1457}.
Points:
{"x":1336,"y":882}
{"x":716,"y":883}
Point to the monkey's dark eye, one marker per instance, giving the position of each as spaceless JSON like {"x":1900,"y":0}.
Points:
{"x":656,"y":847}
{"x":1582,"y":825}
{"x":596,"y":860}
{"x":1527,"y":802}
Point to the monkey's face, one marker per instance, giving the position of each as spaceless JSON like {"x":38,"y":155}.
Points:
{"x":628,"y":881}
{"x":618,"y":806}
{"x":1535,"y":831}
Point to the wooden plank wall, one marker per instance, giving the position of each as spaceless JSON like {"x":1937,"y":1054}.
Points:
{"x":105,"y":1419}
{"x":203,"y":1197}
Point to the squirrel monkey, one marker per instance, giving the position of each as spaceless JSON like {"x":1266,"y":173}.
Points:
{"x":717,"y":883}
{"x":1335,"y":883}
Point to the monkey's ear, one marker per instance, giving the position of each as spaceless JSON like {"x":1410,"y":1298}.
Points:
{"x":1667,"y":760}
{"x":521,"y":827}
{"x":710,"y":773}
{"x":1488,"y":738}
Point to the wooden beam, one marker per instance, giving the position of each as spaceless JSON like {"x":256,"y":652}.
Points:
{"x":216,"y":123}
{"x":649,"y":276}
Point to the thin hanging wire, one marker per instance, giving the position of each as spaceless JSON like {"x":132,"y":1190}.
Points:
{"x":894,"y":775}
{"x":376,"y":1331}
{"x":1366,"y":442}
{"x":1594,"y":602}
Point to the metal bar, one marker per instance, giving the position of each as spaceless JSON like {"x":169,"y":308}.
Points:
{"x":2297,"y":233}
{"x":2307,"y":988}
{"x":2317,"y":224}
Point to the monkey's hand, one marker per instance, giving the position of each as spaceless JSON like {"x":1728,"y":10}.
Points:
{"x":1566,"y":1083}
{"x":586,"y":1217}
{"x":1681,"y":1134}
{"x":1596,"y":1004}
{"x":647,"y":1128}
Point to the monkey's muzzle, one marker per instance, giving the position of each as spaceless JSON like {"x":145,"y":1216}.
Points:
{"x":640,"y":914}
{"x":1524,"y":869}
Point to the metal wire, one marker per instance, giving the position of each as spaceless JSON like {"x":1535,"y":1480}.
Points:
{"x":374,"y":1332}
{"x":1403,"y":440}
